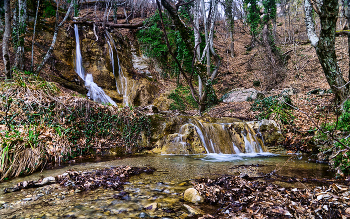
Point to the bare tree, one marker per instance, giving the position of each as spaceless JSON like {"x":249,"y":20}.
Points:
{"x":325,"y":44}
{"x":33,"y":40}
{"x":231,"y":23}
{"x":22,"y":18}
{"x":6,"y":39}
{"x":205,"y":78}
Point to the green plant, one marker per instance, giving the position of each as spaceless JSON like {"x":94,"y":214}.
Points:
{"x":256,"y":83}
{"x":48,"y":9}
{"x":334,"y":137}
{"x":182,"y":99}
{"x":276,"y":107}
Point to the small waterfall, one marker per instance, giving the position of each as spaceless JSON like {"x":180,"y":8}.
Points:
{"x":236,"y":149}
{"x":121,"y":81}
{"x":94,"y":91}
{"x":218,"y":138}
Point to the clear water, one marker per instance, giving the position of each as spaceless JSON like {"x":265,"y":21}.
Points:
{"x":164,"y":187}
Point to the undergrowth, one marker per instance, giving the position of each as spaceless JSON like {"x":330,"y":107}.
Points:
{"x":277,"y":107}
{"x":37,"y":125}
{"x":182,"y":99}
{"x":335,"y":142}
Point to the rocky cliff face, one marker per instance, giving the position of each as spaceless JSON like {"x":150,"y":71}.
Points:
{"x":138,"y":88}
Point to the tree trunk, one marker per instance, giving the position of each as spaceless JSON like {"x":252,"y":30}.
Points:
{"x":205,"y":24}
{"x":6,"y":39}
{"x":348,"y":19}
{"x":231,"y":23}
{"x":33,"y":40}
{"x":22,"y":17}
{"x":197,"y":40}
{"x":325,"y":45}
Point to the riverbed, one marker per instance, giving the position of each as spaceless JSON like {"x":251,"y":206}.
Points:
{"x":157,"y":195}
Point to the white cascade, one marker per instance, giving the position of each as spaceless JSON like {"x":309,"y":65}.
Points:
{"x":122,"y":87}
{"x":95,"y":92}
{"x":220,"y":138}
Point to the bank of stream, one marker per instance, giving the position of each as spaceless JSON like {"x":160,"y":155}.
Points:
{"x":157,"y":195}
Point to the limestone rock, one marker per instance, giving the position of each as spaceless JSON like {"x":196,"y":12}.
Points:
{"x":142,"y":92}
{"x":192,"y":195}
{"x":270,"y":131}
{"x":241,"y":94}
{"x":163,"y":102}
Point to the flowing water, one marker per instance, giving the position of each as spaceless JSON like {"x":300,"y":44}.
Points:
{"x":164,"y":187}
{"x":121,"y":80}
{"x":95,"y":92}
{"x":220,"y":137}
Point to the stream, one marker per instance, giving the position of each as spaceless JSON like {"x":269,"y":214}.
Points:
{"x":163,"y":189}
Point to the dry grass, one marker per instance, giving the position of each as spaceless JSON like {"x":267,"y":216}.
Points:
{"x":34,"y":127}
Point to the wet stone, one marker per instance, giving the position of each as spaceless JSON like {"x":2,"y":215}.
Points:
{"x":143,"y":215}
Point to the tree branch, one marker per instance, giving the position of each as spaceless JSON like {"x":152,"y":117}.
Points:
{"x":128,"y":26}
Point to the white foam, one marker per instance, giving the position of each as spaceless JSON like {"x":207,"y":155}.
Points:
{"x":215,"y":157}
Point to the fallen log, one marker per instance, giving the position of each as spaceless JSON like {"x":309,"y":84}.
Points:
{"x":108,"y":24}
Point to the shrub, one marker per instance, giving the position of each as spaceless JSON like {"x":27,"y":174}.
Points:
{"x":335,"y":141}
{"x":274,"y":107}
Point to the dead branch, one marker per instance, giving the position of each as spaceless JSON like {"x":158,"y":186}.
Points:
{"x":127,"y":26}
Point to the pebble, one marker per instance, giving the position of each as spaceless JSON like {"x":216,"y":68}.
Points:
{"x":192,"y":210}
{"x":27,"y":199}
{"x":143,"y":215}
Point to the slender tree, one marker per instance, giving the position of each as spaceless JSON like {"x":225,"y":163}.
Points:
{"x":231,"y":23}
{"x":21,"y":28}
{"x":33,"y":40}
{"x":253,"y":18}
{"x":6,"y":39}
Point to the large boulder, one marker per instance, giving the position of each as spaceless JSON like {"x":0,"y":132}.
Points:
{"x":242,"y":94}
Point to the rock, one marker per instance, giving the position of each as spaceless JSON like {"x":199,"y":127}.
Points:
{"x":192,"y":195}
{"x":143,"y":215}
{"x":150,"y":109}
{"x":270,"y":132}
{"x":241,"y":94}
{"x":151,"y":207}
{"x":163,"y":102}
{"x":347,"y":210}
{"x":193,"y":210}
{"x":288,"y":91}
{"x":27,"y":199}
{"x":48,"y":180}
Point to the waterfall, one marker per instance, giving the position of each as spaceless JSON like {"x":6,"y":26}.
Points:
{"x":218,"y":138}
{"x":94,"y":91}
{"x":122,"y":87}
